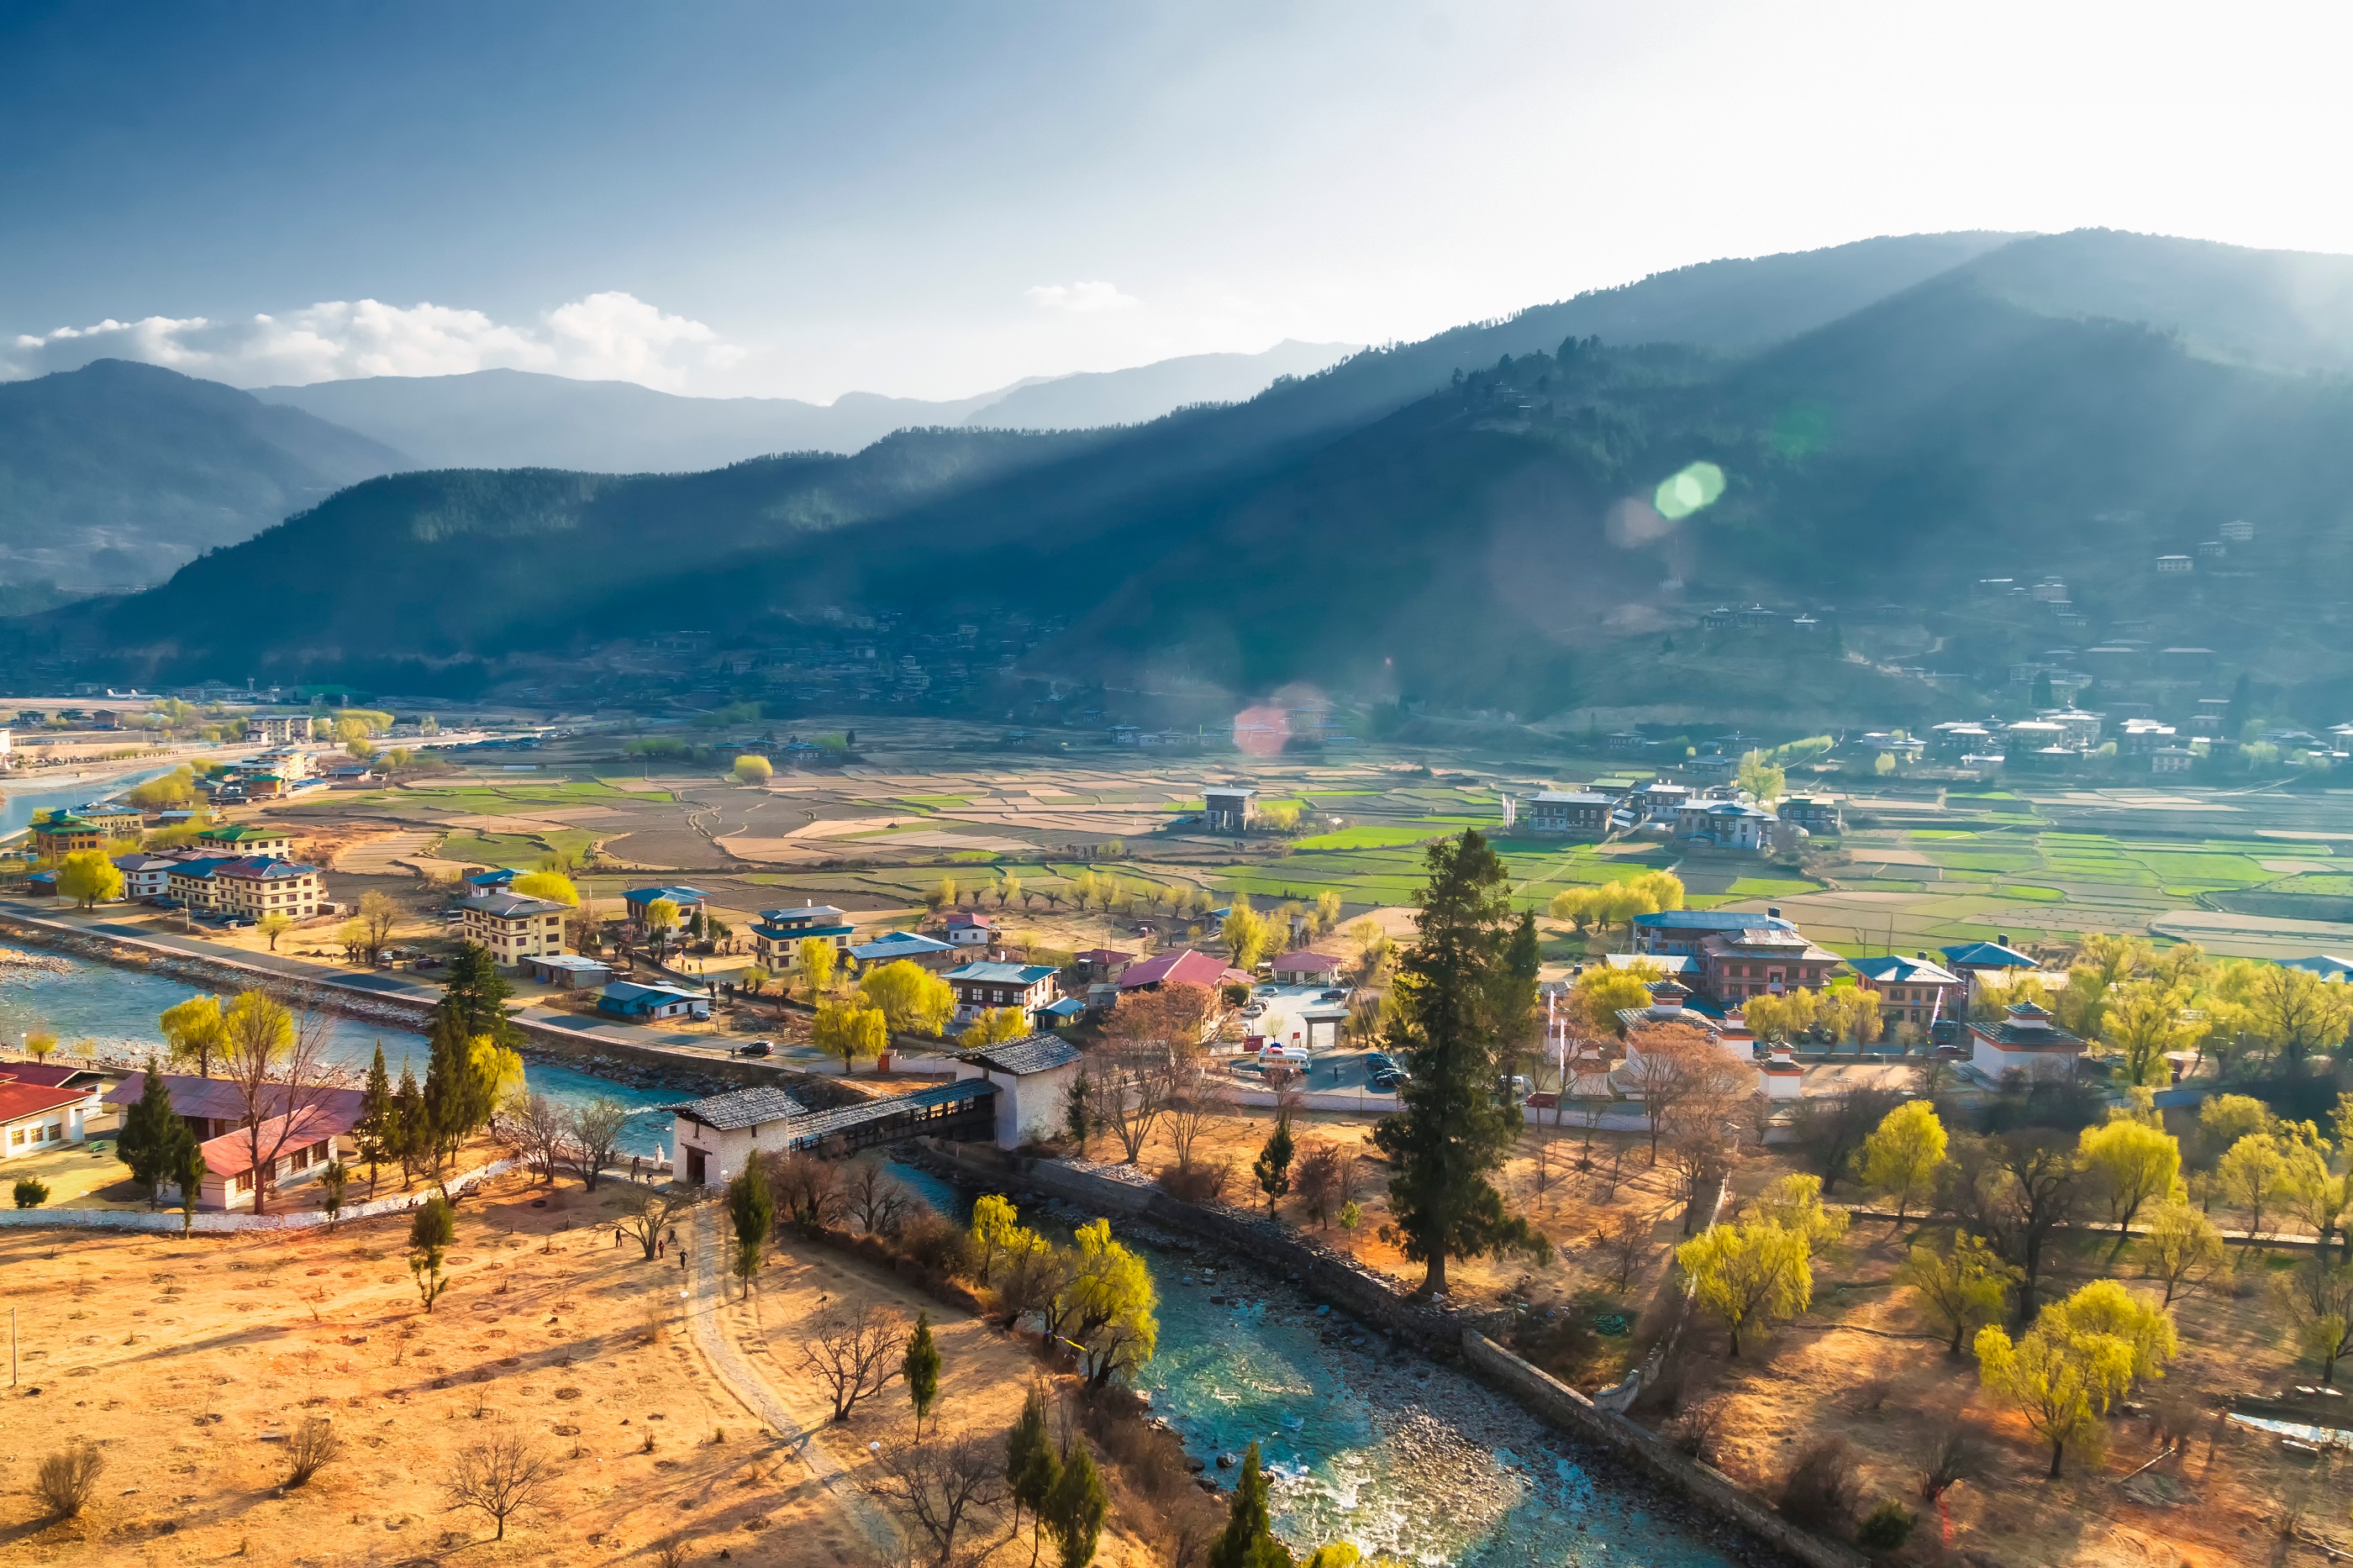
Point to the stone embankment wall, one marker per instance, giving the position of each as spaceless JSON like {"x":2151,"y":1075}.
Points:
{"x":1435,"y":1330}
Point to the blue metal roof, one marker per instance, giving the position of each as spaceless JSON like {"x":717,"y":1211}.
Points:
{"x":1003,"y":974}
{"x":1712,"y":919}
{"x":1987,"y":955}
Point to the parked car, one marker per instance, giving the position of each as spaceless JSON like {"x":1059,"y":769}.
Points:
{"x":755,"y":1048}
{"x":428,"y":961}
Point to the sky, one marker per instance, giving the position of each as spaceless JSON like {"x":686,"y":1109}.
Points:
{"x":933,"y":200}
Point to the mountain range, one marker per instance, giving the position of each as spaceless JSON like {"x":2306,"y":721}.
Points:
{"x":520,"y":419}
{"x":1472,"y":520}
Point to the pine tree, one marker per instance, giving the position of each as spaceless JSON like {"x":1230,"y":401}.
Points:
{"x":146,"y":1142}
{"x":472,"y":998}
{"x":1076,"y":1508}
{"x":1247,"y":1540}
{"x":188,"y":1172}
{"x":456,"y":1100}
{"x":921,"y":1368}
{"x":1465,"y":1000}
{"x":407,"y":1127}
{"x":1273,"y":1163}
{"x":1031,"y":1465}
{"x":752,"y":1210}
{"x":375,"y":1128}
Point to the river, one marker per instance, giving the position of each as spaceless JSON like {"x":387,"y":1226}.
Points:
{"x":1404,"y":1459}
{"x":98,"y":1006}
{"x":19,"y":806}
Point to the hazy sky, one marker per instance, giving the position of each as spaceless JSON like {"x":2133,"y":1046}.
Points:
{"x":933,"y":200}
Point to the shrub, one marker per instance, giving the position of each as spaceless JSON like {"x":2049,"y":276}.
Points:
{"x":1203,"y":1182}
{"x":936,"y":1243}
{"x":312,"y":1449}
{"x":1821,"y":1488}
{"x":31,"y":1193}
{"x":1888,"y":1528}
{"x":65,"y":1480}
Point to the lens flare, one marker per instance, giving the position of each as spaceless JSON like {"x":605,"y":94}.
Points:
{"x":1261,"y":732}
{"x":1688,"y":491}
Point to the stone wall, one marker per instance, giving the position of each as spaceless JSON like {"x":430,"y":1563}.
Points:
{"x":1546,"y":1396}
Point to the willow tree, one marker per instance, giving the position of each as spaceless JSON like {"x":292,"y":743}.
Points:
{"x":1464,"y":1006}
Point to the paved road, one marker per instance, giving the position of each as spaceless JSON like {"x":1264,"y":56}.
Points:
{"x":799,"y":1427}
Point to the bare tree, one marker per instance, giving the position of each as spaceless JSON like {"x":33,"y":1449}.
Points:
{"x":499,"y":1476}
{"x":940,"y":1489}
{"x":648,"y":1212}
{"x":1702,"y":1122}
{"x":595,"y":1135}
{"x":540,"y":1125}
{"x":1315,"y":1180}
{"x":276,"y":1060}
{"x":1656,"y":1058}
{"x":874,"y":1197}
{"x":1030,"y":1283}
{"x":1828,"y":1129}
{"x":854,"y":1352}
{"x":1196,"y":1099}
{"x":1621,"y":1242}
{"x":807,"y":1189}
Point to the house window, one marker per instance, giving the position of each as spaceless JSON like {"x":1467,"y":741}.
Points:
{"x":242,"y":1183}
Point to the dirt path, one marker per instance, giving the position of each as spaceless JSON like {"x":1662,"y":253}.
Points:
{"x":800,"y":1426}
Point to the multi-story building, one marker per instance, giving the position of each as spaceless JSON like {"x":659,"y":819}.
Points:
{"x":247,"y":838}
{"x":283,"y":728}
{"x":778,"y":936}
{"x":1726,"y":824}
{"x":258,"y":885}
{"x":2025,"y":1043}
{"x":145,"y":876}
{"x":1735,"y":965}
{"x":1580,"y":812}
{"x":981,"y":986}
{"x":1227,"y":808}
{"x":1913,"y":990}
{"x":515,"y":927}
{"x":63,"y":834}
{"x":1816,"y":813}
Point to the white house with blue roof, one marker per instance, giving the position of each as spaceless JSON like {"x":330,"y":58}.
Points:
{"x":981,"y":986}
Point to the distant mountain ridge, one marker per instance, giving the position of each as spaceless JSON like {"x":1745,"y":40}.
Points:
{"x":115,"y":474}
{"x":1465,"y":518}
{"x":515,"y":419}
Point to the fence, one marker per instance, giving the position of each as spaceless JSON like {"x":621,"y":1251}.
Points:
{"x":171,"y":1220}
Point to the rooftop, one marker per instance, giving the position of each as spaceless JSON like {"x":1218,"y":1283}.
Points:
{"x":1987,"y":955}
{"x":515,"y":906}
{"x":1186,"y":968}
{"x":22,"y":1100}
{"x":1712,"y":919}
{"x":741,"y":1108}
{"x":1003,"y":974}
{"x":1895,"y":969}
{"x":1039,"y":1053}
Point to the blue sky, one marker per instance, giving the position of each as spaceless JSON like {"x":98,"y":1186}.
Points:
{"x":932,"y":200}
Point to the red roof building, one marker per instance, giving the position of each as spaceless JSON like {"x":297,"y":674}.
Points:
{"x":1304,"y":968}
{"x":1185,"y":967}
{"x":294,"y":1145}
{"x":35,"y":1116}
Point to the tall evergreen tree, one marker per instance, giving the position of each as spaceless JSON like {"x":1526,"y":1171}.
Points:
{"x":457,"y":1099}
{"x":407,"y":1127}
{"x":1461,"y":1004}
{"x":921,"y":1369}
{"x":752,"y":1211}
{"x":1031,"y":1466}
{"x":188,"y":1172}
{"x":1076,"y":1508}
{"x":1247,"y":1540}
{"x":152,"y":1133}
{"x":472,"y":997}
{"x":375,"y":1128}
{"x":1273,"y":1166}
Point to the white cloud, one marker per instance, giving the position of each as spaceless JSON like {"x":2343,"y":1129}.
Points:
{"x":1079,"y":298}
{"x":609,"y":336}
